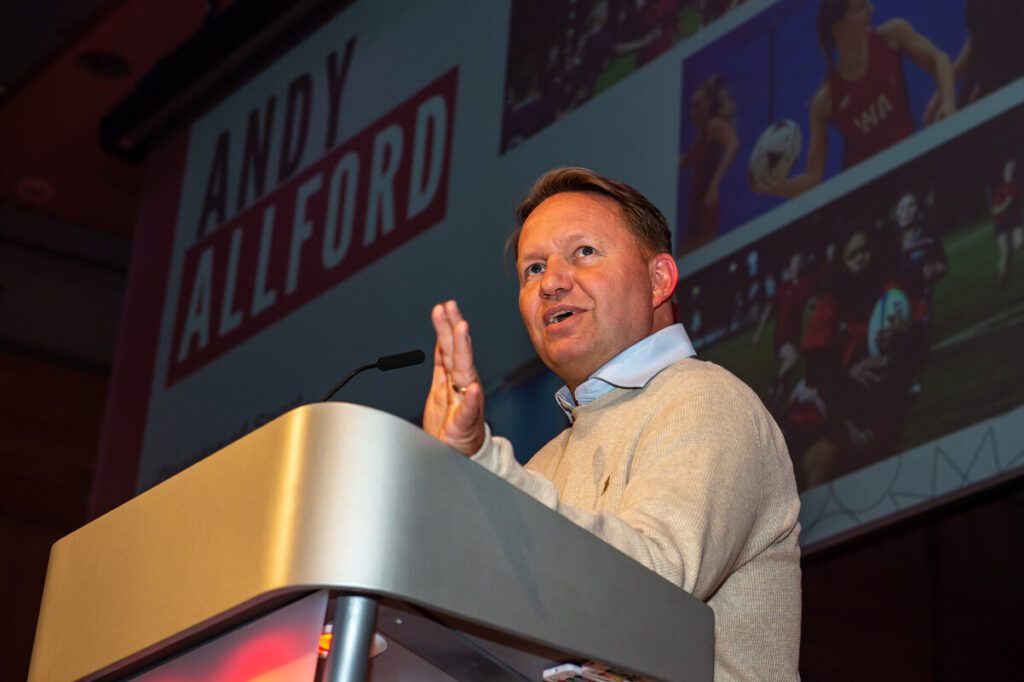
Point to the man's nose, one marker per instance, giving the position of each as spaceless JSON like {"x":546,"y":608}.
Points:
{"x":557,"y":278}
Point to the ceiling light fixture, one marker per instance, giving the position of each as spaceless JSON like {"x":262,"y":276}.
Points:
{"x":34,"y":190}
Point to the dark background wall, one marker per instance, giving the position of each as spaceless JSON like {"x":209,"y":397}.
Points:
{"x":936,"y":599}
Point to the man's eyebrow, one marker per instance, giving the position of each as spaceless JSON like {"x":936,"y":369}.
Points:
{"x":572,"y":237}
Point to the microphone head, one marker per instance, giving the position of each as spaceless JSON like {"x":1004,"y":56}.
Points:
{"x":400,"y":360}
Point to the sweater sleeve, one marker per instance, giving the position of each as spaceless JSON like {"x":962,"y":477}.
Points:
{"x":497,"y":456}
{"x":693,"y":507}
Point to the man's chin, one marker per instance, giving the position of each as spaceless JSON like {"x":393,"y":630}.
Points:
{"x":570,"y":363}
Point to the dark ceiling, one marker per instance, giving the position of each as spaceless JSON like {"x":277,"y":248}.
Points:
{"x":66,"y":64}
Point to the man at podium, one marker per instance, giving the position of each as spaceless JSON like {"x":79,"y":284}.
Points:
{"x":672,"y":460}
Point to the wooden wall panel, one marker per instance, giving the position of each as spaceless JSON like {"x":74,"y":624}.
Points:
{"x":49,"y":431}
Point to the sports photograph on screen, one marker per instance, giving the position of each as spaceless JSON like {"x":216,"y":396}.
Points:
{"x":563,"y":52}
{"x":810,"y":88}
{"x":884,"y":320}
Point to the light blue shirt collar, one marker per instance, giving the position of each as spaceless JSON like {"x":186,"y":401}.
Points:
{"x":632,"y":368}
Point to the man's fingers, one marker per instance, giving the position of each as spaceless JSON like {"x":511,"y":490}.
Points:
{"x":439,"y":389}
{"x":454,"y":315}
{"x":440,"y":381}
{"x":436,"y":407}
{"x":463,"y":368}
{"x":440,"y":375}
{"x":443,"y":330}
{"x":467,"y":422}
{"x":467,"y":413}
{"x":454,"y":350}
{"x":455,"y":404}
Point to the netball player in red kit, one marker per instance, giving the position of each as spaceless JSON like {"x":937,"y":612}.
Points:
{"x":1006,"y":215}
{"x":709,"y":158}
{"x":866,"y":395}
{"x":864,"y":94}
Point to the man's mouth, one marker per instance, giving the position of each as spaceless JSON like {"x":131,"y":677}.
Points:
{"x":558,"y":315}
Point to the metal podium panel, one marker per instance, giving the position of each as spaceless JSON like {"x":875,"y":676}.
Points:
{"x":347,"y":497}
{"x":281,"y":646}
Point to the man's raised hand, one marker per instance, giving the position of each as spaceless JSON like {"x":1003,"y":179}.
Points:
{"x":454,"y":411}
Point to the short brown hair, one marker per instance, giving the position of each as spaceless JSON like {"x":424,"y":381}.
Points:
{"x":643,"y":218}
{"x":830,"y":13}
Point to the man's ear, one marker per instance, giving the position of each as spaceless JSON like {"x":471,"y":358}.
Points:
{"x":664,"y":277}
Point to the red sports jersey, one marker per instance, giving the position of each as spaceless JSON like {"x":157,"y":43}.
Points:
{"x":664,"y":15}
{"x":833,"y":324}
{"x":873,"y":112}
{"x":702,"y":221}
{"x":1010,"y":216}
{"x":790,"y":301}
{"x":827,"y":326}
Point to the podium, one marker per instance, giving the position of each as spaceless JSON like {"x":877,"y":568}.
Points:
{"x":465,"y":576}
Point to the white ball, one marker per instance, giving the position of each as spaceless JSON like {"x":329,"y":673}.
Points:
{"x":775,"y":152}
{"x":892,"y":309}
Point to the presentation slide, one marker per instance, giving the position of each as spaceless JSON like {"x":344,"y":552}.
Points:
{"x":842,"y":178}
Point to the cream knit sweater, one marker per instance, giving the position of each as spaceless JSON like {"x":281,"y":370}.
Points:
{"x":691,"y":477}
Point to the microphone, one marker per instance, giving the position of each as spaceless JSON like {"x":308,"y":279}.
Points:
{"x":400,"y":360}
{"x":385,"y":363}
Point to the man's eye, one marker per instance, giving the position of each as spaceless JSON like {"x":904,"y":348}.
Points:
{"x":533,"y":269}
{"x":586,"y":251}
